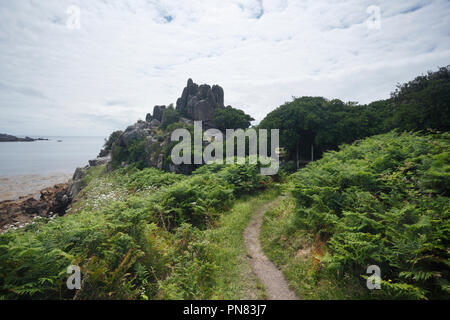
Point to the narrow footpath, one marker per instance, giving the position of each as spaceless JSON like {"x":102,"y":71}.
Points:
{"x":274,"y":282}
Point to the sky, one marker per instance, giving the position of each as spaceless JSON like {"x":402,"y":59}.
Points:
{"x":88,"y":67}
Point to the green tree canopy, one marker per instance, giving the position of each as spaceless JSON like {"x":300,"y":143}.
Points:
{"x":418,"y":105}
{"x":170,"y":116}
{"x":423,"y":103}
{"x":113,"y":137}
{"x":231,"y":118}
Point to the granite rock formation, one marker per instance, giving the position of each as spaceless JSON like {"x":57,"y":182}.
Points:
{"x":158,"y":112}
{"x":197,"y":102}
{"x":200,"y":102}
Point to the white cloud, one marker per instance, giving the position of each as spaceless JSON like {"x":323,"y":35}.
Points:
{"x":131,"y":55}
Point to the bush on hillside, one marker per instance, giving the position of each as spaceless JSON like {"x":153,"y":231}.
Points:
{"x":169,"y":117}
{"x":383,"y":201}
{"x":107,"y":147}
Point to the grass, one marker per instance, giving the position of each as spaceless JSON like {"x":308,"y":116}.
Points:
{"x":236,"y":278}
{"x":99,"y":189}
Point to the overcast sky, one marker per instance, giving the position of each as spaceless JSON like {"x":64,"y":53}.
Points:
{"x":127,"y":56}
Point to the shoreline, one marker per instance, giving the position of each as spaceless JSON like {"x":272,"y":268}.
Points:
{"x":15,"y":214}
{"x":14,"y":187}
{"x":43,"y":196}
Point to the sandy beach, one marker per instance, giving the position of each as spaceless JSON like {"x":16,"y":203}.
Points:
{"x":28,"y":167}
{"x":13,"y":187}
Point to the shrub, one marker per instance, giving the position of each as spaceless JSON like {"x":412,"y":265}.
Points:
{"x":383,"y":201}
{"x":244,"y":178}
{"x":107,"y":147}
{"x":169,"y":117}
{"x":135,"y":154}
{"x":152,"y":178}
{"x":195,"y":201}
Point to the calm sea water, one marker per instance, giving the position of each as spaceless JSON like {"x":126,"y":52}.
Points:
{"x":27,"y":167}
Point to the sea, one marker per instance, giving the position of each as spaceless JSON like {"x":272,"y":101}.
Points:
{"x":28,"y":167}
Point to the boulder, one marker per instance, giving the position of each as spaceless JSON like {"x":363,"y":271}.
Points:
{"x":99,"y":161}
{"x":57,"y":198}
{"x":187,"y":121}
{"x":189,"y":91}
{"x":79,"y":173}
{"x":155,"y":123}
{"x":219,"y":95}
{"x":76,"y":183}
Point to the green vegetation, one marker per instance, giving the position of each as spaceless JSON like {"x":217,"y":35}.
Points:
{"x":295,"y":251}
{"x":169,"y":117}
{"x":421,"y":104}
{"x":223,"y":248}
{"x":382,"y":201}
{"x":107,"y":147}
{"x":136,"y":234}
{"x":135,"y":154}
{"x":231,"y":118}
{"x":377,"y":196}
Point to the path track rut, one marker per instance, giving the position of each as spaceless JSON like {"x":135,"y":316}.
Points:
{"x":276,"y":286}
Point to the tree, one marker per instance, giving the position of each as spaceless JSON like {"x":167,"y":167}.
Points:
{"x":231,"y":118}
{"x":170,"y":116}
{"x":315,"y":122}
{"x":113,"y":137}
{"x":299,"y":122}
{"x":423,"y":103}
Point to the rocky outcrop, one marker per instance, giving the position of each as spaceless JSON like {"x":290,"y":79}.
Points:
{"x":200,"y":102}
{"x":155,"y":123}
{"x":137,"y":131}
{"x":158,"y":112}
{"x":77,"y":182}
{"x":155,"y":144}
{"x":100,"y":161}
{"x":18,"y":213}
{"x":196,"y":103}
{"x":10,"y":138}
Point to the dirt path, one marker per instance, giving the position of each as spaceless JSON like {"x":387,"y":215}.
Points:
{"x":272,"y":278}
